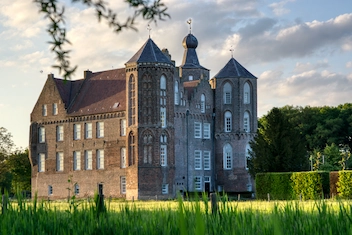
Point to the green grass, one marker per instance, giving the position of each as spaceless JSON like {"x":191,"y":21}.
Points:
{"x":177,"y":217}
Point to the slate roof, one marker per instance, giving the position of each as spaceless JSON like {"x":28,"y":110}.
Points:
{"x":67,"y":89}
{"x":149,"y":52}
{"x":190,"y":58}
{"x":233,"y":69}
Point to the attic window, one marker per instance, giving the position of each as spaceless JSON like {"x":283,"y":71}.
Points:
{"x":117,"y":104}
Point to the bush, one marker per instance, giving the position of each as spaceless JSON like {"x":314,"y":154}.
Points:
{"x":311,"y":185}
{"x":344,"y":184}
{"x":278,"y":185}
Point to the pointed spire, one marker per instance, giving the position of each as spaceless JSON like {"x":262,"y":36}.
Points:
{"x":149,"y":29}
{"x":189,"y":21}
{"x":231,"y":49}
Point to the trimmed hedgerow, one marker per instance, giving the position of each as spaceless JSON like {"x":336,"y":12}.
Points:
{"x":344,"y":184}
{"x":311,"y":185}
{"x":278,"y":185}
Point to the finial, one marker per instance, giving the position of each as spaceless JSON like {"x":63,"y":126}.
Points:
{"x":189,"y":21}
{"x":231,"y":51}
{"x":149,"y":28}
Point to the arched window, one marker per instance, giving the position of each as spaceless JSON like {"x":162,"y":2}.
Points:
{"x":202,"y":103}
{"x":247,"y":155}
{"x":246,"y":122}
{"x":246,"y":93}
{"x":227,"y":156}
{"x":147,"y":148}
{"x":132,"y":100}
{"x":163,"y":101}
{"x":163,"y":150}
{"x":177,"y":97}
{"x":131,"y":154}
{"x":147,"y":99}
{"x":228,"y":121}
{"x":227,"y":93}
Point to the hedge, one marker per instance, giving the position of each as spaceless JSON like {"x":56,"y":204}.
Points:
{"x":344,"y":184}
{"x":278,"y":185}
{"x":311,"y":185}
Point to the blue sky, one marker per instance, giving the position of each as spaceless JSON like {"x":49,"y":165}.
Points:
{"x":300,"y":50}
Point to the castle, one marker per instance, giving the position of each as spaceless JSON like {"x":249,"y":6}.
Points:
{"x":150,"y":129}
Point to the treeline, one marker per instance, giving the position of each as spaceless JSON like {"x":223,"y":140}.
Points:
{"x":303,"y":138}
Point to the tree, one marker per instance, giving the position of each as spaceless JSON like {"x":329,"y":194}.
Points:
{"x":278,"y":146}
{"x":6,"y":146}
{"x":20,"y":169}
{"x":55,"y":13}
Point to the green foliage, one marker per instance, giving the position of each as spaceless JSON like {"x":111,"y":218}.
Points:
{"x":344,"y":185}
{"x":278,"y":185}
{"x":55,"y":13}
{"x":311,"y":185}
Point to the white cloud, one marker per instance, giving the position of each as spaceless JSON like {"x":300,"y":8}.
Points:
{"x":349,"y":64}
{"x":279,"y":7}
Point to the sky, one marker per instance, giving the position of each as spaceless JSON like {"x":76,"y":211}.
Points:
{"x":300,"y":50}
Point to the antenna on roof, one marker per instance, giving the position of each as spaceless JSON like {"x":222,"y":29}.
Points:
{"x":189,"y":21}
{"x":149,"y":28}
{"x":231,"y":51}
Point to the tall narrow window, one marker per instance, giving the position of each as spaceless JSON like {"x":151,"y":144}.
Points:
{"x":131,"y":154}
{"x":147,"y":94}
{"x":41,"y":162}
{"x":59,"y":161}
{"x":165,"y":189}
{"x":246,"y":122}
{"x":228,"y":121}
{"x":177,"y":96}
{"x":123,"y":157}
{"x":206,"y":131}
{"x":206,"y":159}
{"x":123,"y":127}
{"x":50,"y":190}
{"x":163,"y":99}
{"x":55,"y":110}
{"x":41,"y":134}
{"x":227,"y":157}
{"x":197,"y":130}
{"x":88,"y":130}
{"x":163,"y":155}
{"x":163,"y":117}
{"x":227,"y":93}
{"x":88,"y":160}
{"x":132,"y":101}
{"x":100,"y":159}
{"x":59,"y":133}
{"x":198,"y":183}
{"x":44,"y":110}
{"x":147,"y":148}
{"x":246,"y":93}
{"x":202,"y":103}
{"x":77,"y":131}
{"x":197,"y":160}
{"x":247,"y":155}
{"x":77,"y":160}
{"x":123,"y":184}
{"x":100,"y":129}
{"x":76,"y":189}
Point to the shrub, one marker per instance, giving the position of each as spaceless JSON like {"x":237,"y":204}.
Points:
{"x":278,"y":185}
{"x":344,"y":185}
{"x":311,"y":185}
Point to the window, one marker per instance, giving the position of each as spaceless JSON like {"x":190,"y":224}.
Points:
{"x":88,"y":130}
{"x":59,"y":133}
{"x":198,"y":183}
{"x":227,"y":93}
{"x":248,"y":155}
{"x":50,"y":190}
{"x":76,"y":188}
{"x":206,"y":157}
{"x":123,"y":184}
{"x":202,"y":103}
{"x":197,"y":160}
{"x":77,"y":131}
{"x":100,"y":159}
{"x":163,"y":101}
{"x":190,"y":77}
{"x":197,"y":130}
{"x":77,"y":160}
{"x":246,"y":122}
{"x":132,"y":100}
{"x":41,"y":162}
{"x":228,"y":121}
{"x":246,"y":93}
{"x":227,"y":155}
{"x":131,"y":150}
{"x":123,"y":127}
{"x":100,"y":129}
{"x":44,"y":110}
{"x":207,"y":179}
{"x":123,"y":157}
{"x":163,"y":117}
{"x":41,"y":135}
{"x":163,"y":155}
{"x":147,"y":148}
{"x":177,"y":97}
{"x":206,"y":130}
{"x":88,"y":159}
{"x":165,"y":189}
{"x":55,"y":111}
{"x":59,"y":161}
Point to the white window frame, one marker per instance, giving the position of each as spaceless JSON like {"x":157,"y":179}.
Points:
{"x":202,"y":103}
{"x":197,"y":159}
{"x":206,"y":131}
{"x":164,"y":189}
{"x":41,"y":132}
{"x":41,"y":162}
{"x":228,"y":121}
{"x":163,"y":155}
{"x":177,"y":96}
{"x":60,"y":133}
{"x":123,"y":157}
{"x":76,"y":189}
{"x":227,"y":93}
{"x":88,"y":130}
{"x":88,"y":159}
{"x":100,"y":129}
{"x":227,"y":157}
{"x":100,"y":159}
{"x":246,"y":122}
{"x":123,"y":184}
{"x":206,"y":160}
{"x":55,"y":109}
{"x":50,"y":190}
{"x":246,"y":93}
{"x":197,"y":130}
{"x":163,"y":117}
{"x":76,"y":131}
{"x":198,"y":183}
{"x":76,"y":160}
{"x":123,"y":127}
{"x":59,"y":161}
{"x":45,"y":110}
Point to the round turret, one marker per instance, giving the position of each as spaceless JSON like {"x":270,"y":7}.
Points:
{"x":190,"y":41}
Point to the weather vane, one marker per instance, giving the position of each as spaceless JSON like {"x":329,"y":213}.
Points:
{"x":231,"y":51}
{"x":190,"y":25}
{"x":149,"y":28}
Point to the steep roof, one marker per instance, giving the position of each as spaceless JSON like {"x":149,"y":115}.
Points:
{"x":190,"y":58}
{"x":233,"y":69}
{"x":67,"y":89}
{"x":100,"y":92}
{"x":149,"y":52}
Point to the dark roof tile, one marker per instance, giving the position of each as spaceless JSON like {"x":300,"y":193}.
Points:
{"x":233,"y":69}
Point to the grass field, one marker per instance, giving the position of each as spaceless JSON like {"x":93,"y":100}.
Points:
{"x":177,"y":217}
